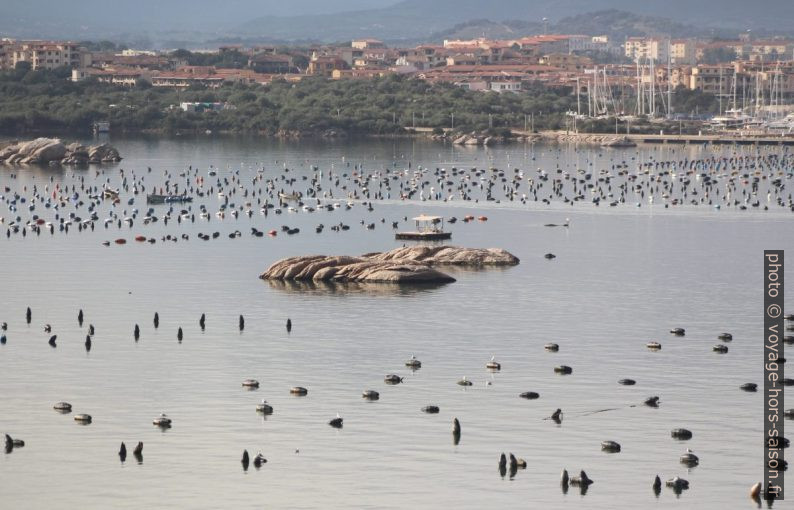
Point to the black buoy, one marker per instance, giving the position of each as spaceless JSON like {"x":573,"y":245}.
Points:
{"x":652,"y":402}
{"x":242,"y":323}
{"x":136,"y":332}
{"x":52,"y":340}
{"x":456,"y":431}
{"x":201,"y":323}
{"x":513,"y":465}
{"x":503,"y":465}
{"x":138,"y":452}
{"x":179,"y":334}
{"x":80,"y":317}
{"x":123,"y":452}
{"x":289,"y":325}
{"x":88,"y":343}
{"x":91,"y":330}
{"x":245,"y":460}
{"x":156,"y":320}
{"x":28,"y":315}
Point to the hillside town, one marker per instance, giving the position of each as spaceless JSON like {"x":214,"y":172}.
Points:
{"x":752,"y":79}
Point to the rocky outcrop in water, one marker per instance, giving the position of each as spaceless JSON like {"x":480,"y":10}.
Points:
{"x":585,"y":138}
{"x":448,"y":255}
{"x":403,"y":265}
{"x":43,"y":151}
{"x":474,"y":138}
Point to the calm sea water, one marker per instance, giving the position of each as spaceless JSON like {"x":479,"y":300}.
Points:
{"x":622,"y":277}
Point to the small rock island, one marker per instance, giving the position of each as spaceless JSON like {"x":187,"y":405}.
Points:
{"x":402,"y":265}
{"x":46,"y":151}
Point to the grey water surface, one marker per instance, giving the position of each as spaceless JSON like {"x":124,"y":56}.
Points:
{"x":623,"y":276}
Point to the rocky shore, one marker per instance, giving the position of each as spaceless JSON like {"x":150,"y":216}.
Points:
{"x":479,"y":139}
{"x":402,"y":265}
{"x":45,"y":151}
{"x":589,"y":138}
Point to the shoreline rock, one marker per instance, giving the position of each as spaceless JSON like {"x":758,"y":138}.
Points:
{"x":402,"y":265}
{"x":48,"y":151}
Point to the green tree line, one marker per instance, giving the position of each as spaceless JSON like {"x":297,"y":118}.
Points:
{"x":48,"y":102}
{"x":42,"y":101}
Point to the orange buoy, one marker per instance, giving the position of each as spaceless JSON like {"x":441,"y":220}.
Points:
{"x":40,"y":221}
{"x":483,"y":218}
{"x":120,"y":241}
{"x":272,"y":233}
{"x":140,"y":239}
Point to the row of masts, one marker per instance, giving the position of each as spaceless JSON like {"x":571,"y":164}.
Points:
{"x":652,"y":99}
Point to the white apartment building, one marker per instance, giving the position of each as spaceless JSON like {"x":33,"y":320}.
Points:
{"x":678,"y":51}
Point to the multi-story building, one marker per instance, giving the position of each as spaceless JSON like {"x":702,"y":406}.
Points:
{"x":545,"y":44}
{"x":771,"y":50}
{"x":125,"y":77}
{"x":712,"y":79}
{"x":587,"y":43}
{"x":422,"y":57}
{"x":48,"y":54}
{"x":682,"y":52}
{"x":188,"y":76}
{"x":566,"y":62}
{"x":325,"y":65}
{"x":676,"y":51}
{"x":641,"y":48}
{"x":367,"y":44}
{"x":270,"y":63}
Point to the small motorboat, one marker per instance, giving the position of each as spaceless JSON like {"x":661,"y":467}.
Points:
{"x":167,"y":199}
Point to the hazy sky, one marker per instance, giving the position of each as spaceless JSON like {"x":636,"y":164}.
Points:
{"x":197,"y":20}
{"x":193,"y":12}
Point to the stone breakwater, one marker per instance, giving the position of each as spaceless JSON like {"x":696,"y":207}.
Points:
{"x":44,"y":151}
{"x":402,"y":265}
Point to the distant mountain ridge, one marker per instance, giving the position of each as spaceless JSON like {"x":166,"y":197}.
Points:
{"x":616,"y":24}
{"x":416,"y":19}
{"x":194,"y":21}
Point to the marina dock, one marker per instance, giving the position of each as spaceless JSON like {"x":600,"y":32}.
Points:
{"x":680,"y":139}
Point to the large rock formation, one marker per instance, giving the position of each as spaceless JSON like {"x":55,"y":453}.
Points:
{"x":51,"y":150}
{"x":449,"y":255}
{"x":403,"y":265}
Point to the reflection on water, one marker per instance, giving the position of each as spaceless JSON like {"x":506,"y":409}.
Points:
{"x":362,"y":288}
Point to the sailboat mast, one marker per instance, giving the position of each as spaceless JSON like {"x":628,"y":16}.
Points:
{"x":669,"y":79}
{"x":653,"y":90}
{"x":639,"y":90}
